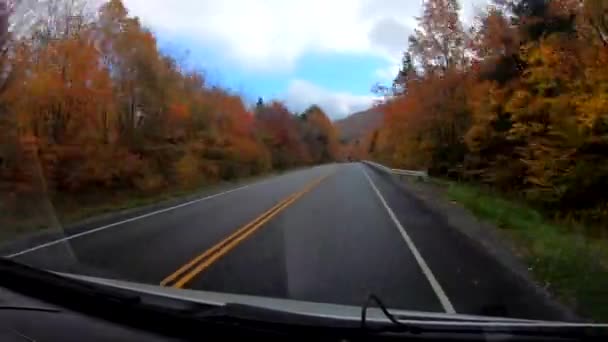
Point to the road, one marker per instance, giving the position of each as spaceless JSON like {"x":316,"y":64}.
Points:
{"x":332,"y":233}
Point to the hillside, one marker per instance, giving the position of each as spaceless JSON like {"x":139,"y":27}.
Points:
{"x":358,"y":124}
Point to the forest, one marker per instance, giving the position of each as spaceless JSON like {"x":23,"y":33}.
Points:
{"x":517,"y":100}
{"x":92,"y":112}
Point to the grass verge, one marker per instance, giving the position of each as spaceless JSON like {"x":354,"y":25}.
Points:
{"x":62,"y":211}
{"x":563,"y":259}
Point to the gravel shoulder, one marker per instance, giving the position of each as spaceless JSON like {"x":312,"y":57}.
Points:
{"x":494,"y":241}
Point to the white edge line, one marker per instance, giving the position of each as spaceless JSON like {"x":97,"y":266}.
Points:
{"x":443,"y":298}
{"x":98,"y":229}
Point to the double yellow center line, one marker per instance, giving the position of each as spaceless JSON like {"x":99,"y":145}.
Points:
{"x":197,"y":265}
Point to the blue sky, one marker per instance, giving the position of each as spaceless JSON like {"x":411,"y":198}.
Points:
{"x":303,"y":52}
{"x":349,"y":73}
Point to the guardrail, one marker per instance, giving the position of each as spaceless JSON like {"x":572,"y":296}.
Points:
{"x":399,"y":172}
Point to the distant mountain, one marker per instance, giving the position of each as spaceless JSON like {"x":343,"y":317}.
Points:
{"x":359,"y":124}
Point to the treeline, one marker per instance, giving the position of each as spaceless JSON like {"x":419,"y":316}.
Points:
{"x":90,"y":108}
{"x":518,"y":101}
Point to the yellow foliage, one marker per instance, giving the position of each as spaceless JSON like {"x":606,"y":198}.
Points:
{"x":149,"y":181}
{"x":187,"y":169}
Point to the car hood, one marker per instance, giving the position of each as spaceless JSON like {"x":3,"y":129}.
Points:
{"x":333,"y":311}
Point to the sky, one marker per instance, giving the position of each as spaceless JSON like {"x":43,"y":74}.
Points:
{"x":302,"y":52}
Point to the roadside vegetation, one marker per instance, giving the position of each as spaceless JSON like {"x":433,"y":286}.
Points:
{"x":93,"y":115}
{"x":564,"y":257}
{"x":516,"y":103}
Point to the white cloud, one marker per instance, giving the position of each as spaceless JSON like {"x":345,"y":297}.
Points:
{"x":471,"y":8}
{"x":301,"y":94}
{"x":387,"y":75}
{"x":390,"y":35}
{"x":270,"y":35}
{"x":263,"y":34}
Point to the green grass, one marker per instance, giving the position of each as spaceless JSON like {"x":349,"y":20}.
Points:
{"x":568,"y":263}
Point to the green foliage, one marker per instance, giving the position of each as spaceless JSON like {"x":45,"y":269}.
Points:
{"x":565,"y":261}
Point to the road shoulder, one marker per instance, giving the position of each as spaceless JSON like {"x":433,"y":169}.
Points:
{"x":488,"y":278}
{"x":58,"y":230}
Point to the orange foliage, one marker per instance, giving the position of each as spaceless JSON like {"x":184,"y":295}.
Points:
{"x":101,"y":110}
{"x":527,"y":114}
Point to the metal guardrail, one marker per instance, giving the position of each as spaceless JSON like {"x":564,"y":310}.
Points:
{"x":400,"y":172}
{"x":423,"y":174}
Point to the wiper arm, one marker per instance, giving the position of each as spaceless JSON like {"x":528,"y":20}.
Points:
{"x":397,"y":325}
{"x":417,"y":326}
{"x":256,"y":318}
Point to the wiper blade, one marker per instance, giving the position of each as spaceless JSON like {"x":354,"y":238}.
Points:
{"x":27,"y":308}
{"x":255,"y":318}
{"x":24,"y":277}
{"x":261,"y":315}
{"x":150,"y":312}
{"x":172,"y":316}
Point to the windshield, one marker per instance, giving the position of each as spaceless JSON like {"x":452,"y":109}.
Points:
{"x":443,"y":156}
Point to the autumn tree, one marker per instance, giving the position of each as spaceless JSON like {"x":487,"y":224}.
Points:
{"x":594,"y":20}
{"x":495,"y":47}
{"x":407,"y":73}
{"x":280,"y":131}
{"x":91,"y":110}
{"x":438,"y":44}
{"x":425,"y":122}
{"x":320,"y":135}
{"x":537,"y":18}
{"x":523,"y":110}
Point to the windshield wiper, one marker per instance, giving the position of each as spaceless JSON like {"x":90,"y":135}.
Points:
{"x":255,"y":318}
{"x":397,"y":325}
{"x":173,"y":316}
{"x":168,"y":316}
{"x":25,"y":278}
{"x":417,"y":326}
{"x":27,"y":308}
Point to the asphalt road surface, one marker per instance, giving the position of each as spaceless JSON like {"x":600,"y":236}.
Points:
{"x":333,"y":233}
